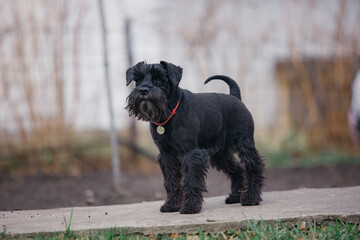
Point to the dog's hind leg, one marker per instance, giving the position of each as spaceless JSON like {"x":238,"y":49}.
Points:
{"x":254,"y":167}
{"x":226,"y":162}
{"x":195,"y":166}
{"x":171,"y":169}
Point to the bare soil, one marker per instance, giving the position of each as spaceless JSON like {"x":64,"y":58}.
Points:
{"x":95,"y":188}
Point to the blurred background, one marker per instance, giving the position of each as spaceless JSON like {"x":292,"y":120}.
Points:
{"x":295,"y":62}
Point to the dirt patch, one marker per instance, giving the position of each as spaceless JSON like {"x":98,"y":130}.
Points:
{"x":42,"y":192}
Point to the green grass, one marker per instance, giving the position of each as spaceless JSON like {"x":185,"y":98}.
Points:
{"x":288,"y":159}
{"x":3,"y":233}
{"x":303,"y":229}
{"x":68,"y":234}
{"x":296,"y":151}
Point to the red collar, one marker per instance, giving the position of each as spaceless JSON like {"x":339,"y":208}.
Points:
{"x":171,"y":115}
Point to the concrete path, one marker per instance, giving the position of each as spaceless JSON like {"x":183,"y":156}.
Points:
{"x":319,"y":204}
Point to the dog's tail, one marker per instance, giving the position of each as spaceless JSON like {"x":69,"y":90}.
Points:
{"x":234,"y":88}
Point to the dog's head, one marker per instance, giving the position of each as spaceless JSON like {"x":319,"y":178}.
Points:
{"x":156,"y":90}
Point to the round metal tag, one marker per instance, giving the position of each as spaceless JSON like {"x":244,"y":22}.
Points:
{"x":160,"y":130}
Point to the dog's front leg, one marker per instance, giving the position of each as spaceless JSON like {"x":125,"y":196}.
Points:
{"x":195,"y":165}
{"x":171,"y":169}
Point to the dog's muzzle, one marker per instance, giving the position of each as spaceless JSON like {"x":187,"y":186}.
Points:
{"x":143,"y":91}
{"x":147,"y":106}
{"x":148,"y":109}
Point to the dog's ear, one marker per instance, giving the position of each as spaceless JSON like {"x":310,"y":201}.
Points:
{"x":130,"y":72}
{"x":129,"y":75}
{"x":174,"y":72}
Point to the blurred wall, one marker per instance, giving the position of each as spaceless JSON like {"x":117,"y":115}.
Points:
{"x":51,"y":69}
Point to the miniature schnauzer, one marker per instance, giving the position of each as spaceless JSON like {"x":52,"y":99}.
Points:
{"x":193,"y":129}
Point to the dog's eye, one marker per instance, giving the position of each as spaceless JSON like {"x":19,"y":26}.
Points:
{"x":137,"y":83}
{"x":156,"y":81}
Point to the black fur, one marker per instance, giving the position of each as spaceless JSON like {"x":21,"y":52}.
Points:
{"x":207,"y":127}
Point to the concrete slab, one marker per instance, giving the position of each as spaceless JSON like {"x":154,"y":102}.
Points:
{"x":319,"y":204}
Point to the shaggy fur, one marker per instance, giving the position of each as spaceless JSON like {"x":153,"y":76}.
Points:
{"x":207,"y":128}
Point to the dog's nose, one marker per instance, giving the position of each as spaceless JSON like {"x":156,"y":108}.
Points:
{"x":144,"y":91}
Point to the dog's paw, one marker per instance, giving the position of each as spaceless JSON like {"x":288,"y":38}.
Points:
{"x":232,"y":199}
{"x":250,"y":200}
{"x":191,"y":207}
{"x":190,"y":210}
{"x":249,"y":203}
{"x":169,"y":208}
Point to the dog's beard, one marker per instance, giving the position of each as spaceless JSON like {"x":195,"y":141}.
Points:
{"x":148,"y":108}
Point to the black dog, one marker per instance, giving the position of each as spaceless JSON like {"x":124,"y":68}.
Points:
{"x":189,"y":129}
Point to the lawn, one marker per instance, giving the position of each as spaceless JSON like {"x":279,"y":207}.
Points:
{"x":304,"y":229}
